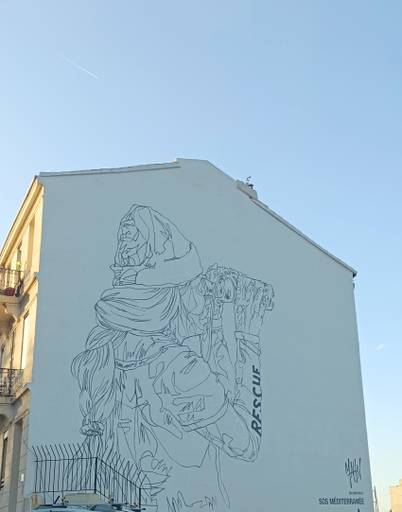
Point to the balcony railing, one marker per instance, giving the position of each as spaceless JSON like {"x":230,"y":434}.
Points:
{"x":10,"y":282}
{"x":10,"y":381}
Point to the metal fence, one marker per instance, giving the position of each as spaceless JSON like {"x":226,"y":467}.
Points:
{"x":10,"y":282}
{"x":70,"y":468}
{"x":10,"y":381}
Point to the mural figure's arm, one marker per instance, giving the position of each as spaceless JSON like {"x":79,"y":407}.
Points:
{"x":238,"y":431}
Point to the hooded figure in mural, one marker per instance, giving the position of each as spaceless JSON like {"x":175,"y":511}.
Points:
{"x":161,"y":382}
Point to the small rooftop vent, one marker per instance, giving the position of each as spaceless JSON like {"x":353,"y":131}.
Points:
{"x":247,"y":188}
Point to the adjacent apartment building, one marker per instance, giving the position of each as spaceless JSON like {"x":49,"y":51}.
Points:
{"x":395,"y":492}
{"x":169,"y":341}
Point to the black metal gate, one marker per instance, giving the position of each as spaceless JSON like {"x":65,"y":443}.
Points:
{"x":70,"y":468}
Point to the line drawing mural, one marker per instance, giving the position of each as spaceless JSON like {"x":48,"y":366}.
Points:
{"x":170,"y":377}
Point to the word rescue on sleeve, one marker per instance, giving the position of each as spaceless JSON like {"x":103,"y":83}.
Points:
{"x":256,"y":423}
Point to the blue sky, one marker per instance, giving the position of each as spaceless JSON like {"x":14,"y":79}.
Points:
{"x":305,"y":96}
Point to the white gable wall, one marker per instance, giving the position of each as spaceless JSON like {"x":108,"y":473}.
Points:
{"x":313,"y":413}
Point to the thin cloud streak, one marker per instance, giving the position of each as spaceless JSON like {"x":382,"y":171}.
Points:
{"x":80,"y":68}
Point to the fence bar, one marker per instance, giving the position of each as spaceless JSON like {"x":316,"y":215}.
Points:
{"x":72,"y":468}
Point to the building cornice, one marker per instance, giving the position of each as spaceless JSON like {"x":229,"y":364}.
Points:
{"x":33,"y":193}
{"x":113,"y":170}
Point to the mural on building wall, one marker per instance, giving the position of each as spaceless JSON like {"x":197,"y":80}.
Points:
{"x":170,"y":377}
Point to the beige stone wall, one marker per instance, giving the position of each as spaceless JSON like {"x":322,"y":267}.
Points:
{"x":20,"y":252}
{"x":22,"y":356}
{"x":396,"y":497}
{"x":28,"y":240}
{"x":16,"y":457}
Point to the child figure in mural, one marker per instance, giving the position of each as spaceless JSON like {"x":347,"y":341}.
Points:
{"x":170,"y":377}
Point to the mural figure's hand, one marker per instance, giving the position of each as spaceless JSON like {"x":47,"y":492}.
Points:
{"x":262,"y":301}
{"x":178,"y":504}
{"x":253,"y":299}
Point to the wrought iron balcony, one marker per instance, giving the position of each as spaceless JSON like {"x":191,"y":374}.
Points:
{"x":10,"y":282}
{"x":10,"y":381}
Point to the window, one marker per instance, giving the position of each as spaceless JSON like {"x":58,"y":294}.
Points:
{"x":18,"y":261}
{"x":26,"y":328}
{"x":3,"y":459}
{"x":11,"y":365}
{"x":31,"y":231}
{"x":2,"y":349}
{"x":15,"y":474}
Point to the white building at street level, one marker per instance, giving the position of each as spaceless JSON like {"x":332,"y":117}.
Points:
{"x":168,"y":340}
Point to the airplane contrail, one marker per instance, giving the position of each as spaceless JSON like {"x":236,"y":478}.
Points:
{"x":84,"y":70}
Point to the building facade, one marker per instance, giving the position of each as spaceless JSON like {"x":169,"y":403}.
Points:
{"x":169,"y":340}
{"x":19,"y":265}
{"x":395,"y":492}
